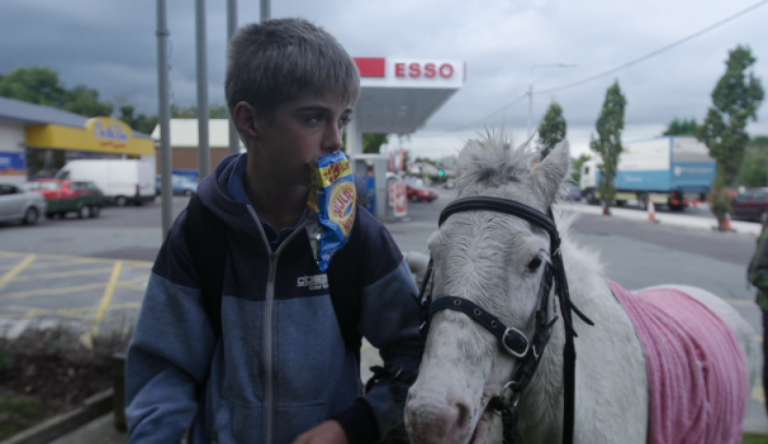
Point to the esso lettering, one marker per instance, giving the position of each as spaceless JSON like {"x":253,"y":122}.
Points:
{"x":428,"y":70}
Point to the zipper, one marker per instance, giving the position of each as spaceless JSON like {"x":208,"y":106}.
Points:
{"x":270,"y":305}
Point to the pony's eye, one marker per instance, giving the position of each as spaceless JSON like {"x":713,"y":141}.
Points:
{"x":534,"y":264}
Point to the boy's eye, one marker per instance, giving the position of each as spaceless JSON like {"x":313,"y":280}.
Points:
{"x":315,"y":119}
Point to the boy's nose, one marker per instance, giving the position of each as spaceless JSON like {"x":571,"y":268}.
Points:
{"x":333,"y":139}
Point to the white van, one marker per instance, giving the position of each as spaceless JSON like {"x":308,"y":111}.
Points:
{"x":122,"y":181}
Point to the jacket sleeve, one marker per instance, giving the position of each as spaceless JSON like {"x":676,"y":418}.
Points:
{"x":171,"y":349}
{"x":390,"y":320}
{"x":758,"y":268}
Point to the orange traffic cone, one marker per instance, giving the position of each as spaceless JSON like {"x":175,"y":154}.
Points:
{"x":727,"y":222}
{"x":651,"y":211}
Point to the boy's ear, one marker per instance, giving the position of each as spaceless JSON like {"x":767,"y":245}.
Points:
{"x":245,"y":119}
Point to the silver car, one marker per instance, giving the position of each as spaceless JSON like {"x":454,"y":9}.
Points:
{"x":18,"y":204}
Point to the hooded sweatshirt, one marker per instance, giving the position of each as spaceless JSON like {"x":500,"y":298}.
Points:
{"x":280,"y":366}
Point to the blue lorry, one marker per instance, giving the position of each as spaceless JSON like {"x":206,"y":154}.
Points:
{"x":672,"y":170}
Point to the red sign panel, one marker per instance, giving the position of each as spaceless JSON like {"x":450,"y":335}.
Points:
{"x":371,"y":66}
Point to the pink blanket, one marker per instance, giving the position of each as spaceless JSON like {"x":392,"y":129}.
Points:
{"x":697,"y":373}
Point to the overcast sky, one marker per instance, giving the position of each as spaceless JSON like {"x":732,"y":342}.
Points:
{"x":111,"y":46}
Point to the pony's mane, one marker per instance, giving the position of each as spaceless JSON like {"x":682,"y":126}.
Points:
{"x":492,"y":161}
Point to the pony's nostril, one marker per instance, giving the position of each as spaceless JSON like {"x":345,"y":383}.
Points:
{"x":462,"y":420}
{"x":460,"y":428}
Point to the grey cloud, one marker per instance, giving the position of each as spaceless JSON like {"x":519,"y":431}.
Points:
{"x":111,"y":46}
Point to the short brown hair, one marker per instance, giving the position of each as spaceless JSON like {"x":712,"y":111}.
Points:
{"x":273,"y":63}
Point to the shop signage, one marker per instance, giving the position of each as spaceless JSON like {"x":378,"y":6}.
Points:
{"x":110,"y":132}
{"x":428,"y":70}
{"x":12,"y":164}
{"x":421,"y":73}
{"x":398,"y":197}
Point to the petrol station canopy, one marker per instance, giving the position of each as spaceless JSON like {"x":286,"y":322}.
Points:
{"x":399,"y":95}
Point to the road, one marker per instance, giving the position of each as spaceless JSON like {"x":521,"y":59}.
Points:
{"x":92,"y":272}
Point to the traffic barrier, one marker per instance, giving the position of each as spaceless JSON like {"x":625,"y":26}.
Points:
{"x":727,"y":222}
{"x":651,"y":211}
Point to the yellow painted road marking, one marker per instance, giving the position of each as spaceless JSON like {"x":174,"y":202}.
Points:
{"x":63,"y":274}
{"x":48,"y":291}
{"x":109,"y":292}
{"x":16,"y":270}
{"x":61,"y":257}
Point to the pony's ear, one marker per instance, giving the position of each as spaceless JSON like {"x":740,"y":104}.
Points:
{"x":547,"y":176}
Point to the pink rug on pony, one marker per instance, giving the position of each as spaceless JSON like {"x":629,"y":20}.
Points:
{"x":697,"y":373}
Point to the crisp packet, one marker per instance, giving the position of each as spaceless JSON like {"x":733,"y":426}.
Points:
{"x":333,"y":205}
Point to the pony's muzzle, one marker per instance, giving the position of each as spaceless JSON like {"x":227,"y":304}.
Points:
{"x":431,"y":422}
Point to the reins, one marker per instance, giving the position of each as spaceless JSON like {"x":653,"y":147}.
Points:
{"x":528,"y":351}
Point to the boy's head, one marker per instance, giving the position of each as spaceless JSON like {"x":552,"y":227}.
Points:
{"x":273,"y":63}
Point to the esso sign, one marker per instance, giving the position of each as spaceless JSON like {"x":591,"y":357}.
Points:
{"x":428,"y":70}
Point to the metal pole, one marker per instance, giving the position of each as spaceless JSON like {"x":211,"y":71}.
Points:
{"x":164,"y":112}
{"x":530,"y":107}
{"x":204,"y":148}
{"x":234,"y":139}
{"x":266,"y":13}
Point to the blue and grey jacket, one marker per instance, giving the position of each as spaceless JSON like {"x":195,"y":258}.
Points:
{"x":280,"y":366}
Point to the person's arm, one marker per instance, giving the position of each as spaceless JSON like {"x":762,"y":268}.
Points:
{"x":390,"y":320}
{"x":171,"y":349}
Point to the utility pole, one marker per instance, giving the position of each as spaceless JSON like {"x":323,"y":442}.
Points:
{"x":266,"y":13}
{"x":204,"y":149}
{"x":164,"y":113}
{"x":234,"y":139}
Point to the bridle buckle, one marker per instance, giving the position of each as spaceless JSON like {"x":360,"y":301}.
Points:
{"x":519,"y":334}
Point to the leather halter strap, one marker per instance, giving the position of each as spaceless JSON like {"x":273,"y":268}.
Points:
{"x":512,"y":339}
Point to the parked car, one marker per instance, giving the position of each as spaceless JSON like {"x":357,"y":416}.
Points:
{"x":750,"y":204}
{"x":66,"y":196}
{"x":182,"y":185}
{"x":18,"y":204}
{"x":419,"y":194}
{"x":449,"y":184}
{"x":570,"y":193}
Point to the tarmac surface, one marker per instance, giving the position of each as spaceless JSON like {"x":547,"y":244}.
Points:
{"x":91,"y":274}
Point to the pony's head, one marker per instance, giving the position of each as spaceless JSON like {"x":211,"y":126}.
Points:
{"x":496,"y":261}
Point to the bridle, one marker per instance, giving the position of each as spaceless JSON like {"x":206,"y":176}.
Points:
{"x":528,"y":351}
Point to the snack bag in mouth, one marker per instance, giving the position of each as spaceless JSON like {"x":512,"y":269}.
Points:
{"x":333,"y":205}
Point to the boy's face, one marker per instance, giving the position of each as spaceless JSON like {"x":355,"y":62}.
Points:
{"x":298,"y":133}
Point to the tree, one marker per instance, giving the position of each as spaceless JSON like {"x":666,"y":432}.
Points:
{"x":577,"y":164}
{"x":41,"y":86}
{"x":608,"y":143}
{"x":215,"y":111}
{"x":682,"y":127}
{"x":735,"y":100}
{"x":372,"y":142}
{"x":141,"y":122}
{"x":552,"y":129}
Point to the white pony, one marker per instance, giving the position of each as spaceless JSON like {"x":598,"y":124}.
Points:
{"x":486,"y":257}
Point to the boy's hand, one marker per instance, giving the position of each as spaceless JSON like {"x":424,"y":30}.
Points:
{"x":329,"y":432}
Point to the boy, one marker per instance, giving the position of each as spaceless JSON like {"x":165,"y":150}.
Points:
{"x":757,"y":274}
{"x":280,"y":371}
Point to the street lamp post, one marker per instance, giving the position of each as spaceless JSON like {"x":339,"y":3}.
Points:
{"x":530,"y":90}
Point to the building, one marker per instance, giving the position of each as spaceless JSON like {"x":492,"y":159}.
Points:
{"x":185,"y":142}
{"x":36,"y":140}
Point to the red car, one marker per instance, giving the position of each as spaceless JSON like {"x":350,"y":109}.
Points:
{"x":750,"y":204}
{"x":66,"y":196}
{"x":418,"y":194}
